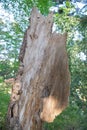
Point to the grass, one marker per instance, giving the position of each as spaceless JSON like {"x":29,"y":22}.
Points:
{"x":4,"y":101}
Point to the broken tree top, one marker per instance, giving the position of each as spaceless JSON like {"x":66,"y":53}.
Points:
{"x":43,"y":77}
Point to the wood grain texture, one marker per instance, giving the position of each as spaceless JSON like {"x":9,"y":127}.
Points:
{"x":41,"y":91}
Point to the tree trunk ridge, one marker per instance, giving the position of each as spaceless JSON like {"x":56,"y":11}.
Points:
{"x":41,"y":88}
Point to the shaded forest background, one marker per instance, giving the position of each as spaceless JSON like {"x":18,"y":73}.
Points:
{"x":68,"y":17}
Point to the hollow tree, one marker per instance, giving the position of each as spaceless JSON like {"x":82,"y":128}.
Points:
{"x":41,"y":89}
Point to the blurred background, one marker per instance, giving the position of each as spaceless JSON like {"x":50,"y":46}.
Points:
{"x":69,"y":16}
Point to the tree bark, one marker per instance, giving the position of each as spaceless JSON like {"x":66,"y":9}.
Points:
{"x":41,"y":88}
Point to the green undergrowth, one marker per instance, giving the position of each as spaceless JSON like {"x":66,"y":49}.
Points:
{"x":72,"y":118}
{"x":4,"y":101}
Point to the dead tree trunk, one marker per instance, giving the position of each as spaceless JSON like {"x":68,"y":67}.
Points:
{"x":41,"y":88}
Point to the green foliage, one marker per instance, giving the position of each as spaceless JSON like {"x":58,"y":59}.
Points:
{"x":66,"y":121}
{"x":72,"y":118}
{"x":4,"y":100}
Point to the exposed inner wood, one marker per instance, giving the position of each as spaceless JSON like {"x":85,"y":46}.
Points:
{"x":41,"y":89}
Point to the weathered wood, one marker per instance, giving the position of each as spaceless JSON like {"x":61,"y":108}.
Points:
{"x":41,"y":89}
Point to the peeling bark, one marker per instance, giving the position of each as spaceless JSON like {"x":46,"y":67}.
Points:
{"x":41,"y":89}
